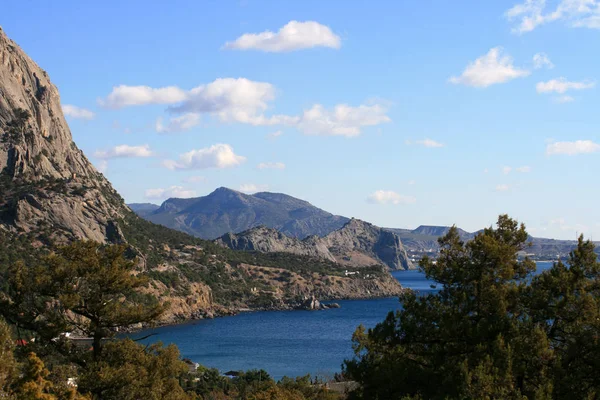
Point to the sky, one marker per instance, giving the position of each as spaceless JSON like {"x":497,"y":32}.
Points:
{"x":401,"y":113}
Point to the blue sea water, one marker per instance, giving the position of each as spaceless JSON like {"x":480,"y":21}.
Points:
{"x":291,"y":343}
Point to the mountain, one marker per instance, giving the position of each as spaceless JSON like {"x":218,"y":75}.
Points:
{"x":359,"y":243}
{"x":226,"y":210}
{"x":356,"y":244}
{"x":50,"y":194}
{"x":143,"y":209}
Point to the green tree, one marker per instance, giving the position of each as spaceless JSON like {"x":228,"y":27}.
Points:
{"x":564,"y":304}
{"x":466,"y":341}
{"x":85,"y":287}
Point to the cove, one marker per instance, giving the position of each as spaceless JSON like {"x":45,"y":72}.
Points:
{"x":291,"y":343}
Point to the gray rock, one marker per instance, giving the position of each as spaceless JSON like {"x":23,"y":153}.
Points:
{"x":357,"y":243}
{"x":269,"y":240}
{"x":359,"y":238}
{"x":47,"y":182}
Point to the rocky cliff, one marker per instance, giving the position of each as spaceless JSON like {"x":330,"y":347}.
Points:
{"x":360,"y":243}
{"x":356,"y":244}
{"x":48,"y":185}
{"x":269,"y":240}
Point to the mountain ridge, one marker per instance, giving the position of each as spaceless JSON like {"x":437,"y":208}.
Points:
{"x":226,"y":210}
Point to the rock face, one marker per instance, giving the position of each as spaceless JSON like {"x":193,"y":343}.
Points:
{"x":268,"y":240}
{"x":358,"y":241}
{"x":226,"y":210}
{"x":356,"y":244}
{"x":71,"y":199}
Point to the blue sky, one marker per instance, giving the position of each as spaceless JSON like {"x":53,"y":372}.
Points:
{"x":399,"y":113}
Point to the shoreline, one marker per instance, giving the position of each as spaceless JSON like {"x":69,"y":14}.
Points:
{"x":244,"y":310}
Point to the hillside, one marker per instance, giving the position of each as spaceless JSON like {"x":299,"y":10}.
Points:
{"x":51,"y":195}
{"x":226,"y":210}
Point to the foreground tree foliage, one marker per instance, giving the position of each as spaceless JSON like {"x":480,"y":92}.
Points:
{"x":493,"y":331}
{"x":92,"y":290}
{"x":84,"y":288}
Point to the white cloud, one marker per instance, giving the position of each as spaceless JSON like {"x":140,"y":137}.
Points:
{"x":252,"y":188}
{"x":561,"y":223}
{"x":490,"y":69}
{"x":77,"y":112}
{"x":523,"y":169}
{"x":274,"y":135}
{"x":216,"y":156}
{"x":412,"y":182}
{"x":125,"y":151}
{"x":126,"y":96}
{"x":244,"y":101}
{"x":564,"y":99}
{"x":533,"y":13}
{"x":229,"y":99}
{"x":172,"y":192}
{"x":541,"y":60}
{"x":343,"y":120}
{"x":502,"y":187}
{"x":425,"y":142}
{"x":389,"y":197}
{"x":271,"y":165}
{"x":177,"y":124}
{"x":234,"y":100}
{"x":292,"y":36}
{"x":572,"y":148}
{"x":561,"y":85}
{"x":195,"y":179}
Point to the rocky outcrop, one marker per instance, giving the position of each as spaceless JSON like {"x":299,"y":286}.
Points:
{"x":356,"y":244}
{"x":361,"y":243}
{"x":47,"y":183}
{"x":311,"y":303}
{"x":226,"y":210}
{"x":268,"y":240}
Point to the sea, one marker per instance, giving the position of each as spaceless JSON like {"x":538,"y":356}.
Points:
{"x":286,"y":343}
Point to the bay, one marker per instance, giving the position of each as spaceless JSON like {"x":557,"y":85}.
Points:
{"x":291,"y":343}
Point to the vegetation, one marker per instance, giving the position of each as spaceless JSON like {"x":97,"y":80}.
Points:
{"x":84,"y":288}
{"x":493,"y":331}
{"x":89,"y":290}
